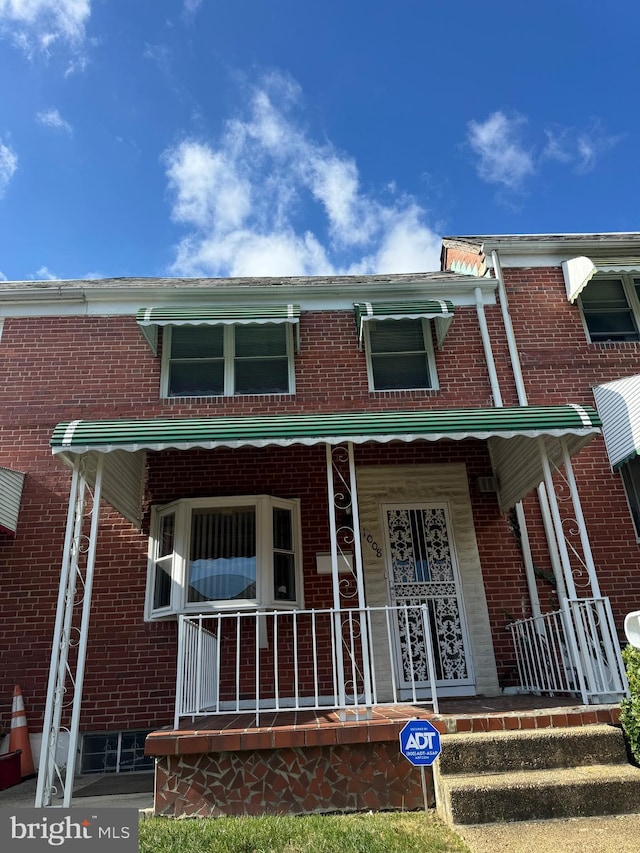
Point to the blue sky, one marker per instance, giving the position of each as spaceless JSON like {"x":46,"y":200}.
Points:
{"x":283,"y":137}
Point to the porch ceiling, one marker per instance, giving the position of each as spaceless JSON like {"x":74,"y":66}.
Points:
{"x":512,"y":435}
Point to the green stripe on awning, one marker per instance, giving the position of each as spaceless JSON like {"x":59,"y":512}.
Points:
{"x":211,"y":315}
{"x":439,"y":310}
{"x":333,"y":428}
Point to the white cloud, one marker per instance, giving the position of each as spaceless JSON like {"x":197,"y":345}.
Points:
{"x":192,"y":6}
{"x":244,"y":196}
{"x":579,"y":148}
{"x":52,"y":118}
{"x":8,"y":166}
{"x":3,"y":276}
{"x":37,"y":25}
{"x":44,"y":274}
{"x":502,"y":157}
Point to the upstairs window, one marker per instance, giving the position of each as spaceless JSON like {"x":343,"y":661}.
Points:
{"x":227,"y":360}
{"x":611,"y":309}
{"x":399,"y":354}
{"x":224,"y":553}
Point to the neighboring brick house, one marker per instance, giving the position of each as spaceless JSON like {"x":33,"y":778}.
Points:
{"x":237,"y":432}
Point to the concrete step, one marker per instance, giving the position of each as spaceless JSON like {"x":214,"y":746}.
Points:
{"x":539,"y":794}
{"x":532,"y":749}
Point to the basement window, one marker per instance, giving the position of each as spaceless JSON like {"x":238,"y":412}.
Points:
{"x":115,"y":752}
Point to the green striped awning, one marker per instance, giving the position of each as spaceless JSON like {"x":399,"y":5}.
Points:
{"x":333,"y":428}
{"x":438,"y":310}
{"x":211,"y":315}
{"x":514,"y":437}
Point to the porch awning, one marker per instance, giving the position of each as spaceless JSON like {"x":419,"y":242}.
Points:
{"x":212,"y":315}
{"x":500,"y":427}
{"x":578,"y":272}
{"x":11,"y":483}
{"x":438,"y":310}
{"x":618,"y":404}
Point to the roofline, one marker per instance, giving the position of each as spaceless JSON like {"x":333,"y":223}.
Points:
{"x":568,"y":243}
{"x":129,"y":294}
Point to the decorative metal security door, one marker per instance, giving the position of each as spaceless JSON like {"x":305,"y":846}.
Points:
{"x":422,"y":569}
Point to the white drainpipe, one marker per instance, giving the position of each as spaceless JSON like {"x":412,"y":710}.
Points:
{"x":488,"y":352}
{"x":497,"y":400}
{"x":543,"y":498}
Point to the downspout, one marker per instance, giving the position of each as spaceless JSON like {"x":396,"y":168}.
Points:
{"x":488,"y":352}
{"x":543,"y":498}
{"x":497,"y":399}
{"x":508,"y":326}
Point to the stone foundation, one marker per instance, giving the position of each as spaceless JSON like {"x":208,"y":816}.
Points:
{"x":298,"y":780}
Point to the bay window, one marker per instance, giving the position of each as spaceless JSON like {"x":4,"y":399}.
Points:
{"x":208,"y":554}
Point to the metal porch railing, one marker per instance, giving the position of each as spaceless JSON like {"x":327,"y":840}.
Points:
{"x":574,"y":650}
{"x":267,"y":661}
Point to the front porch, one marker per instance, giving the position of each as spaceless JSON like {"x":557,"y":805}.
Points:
{"x":309,"y":761}
{"x":401,"y":559}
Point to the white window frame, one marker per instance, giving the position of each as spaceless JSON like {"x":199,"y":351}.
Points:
{"x":427,"y":337}
{"x":265,"y":598}
{"x":228,"y":354}
{"x":631,"y":295}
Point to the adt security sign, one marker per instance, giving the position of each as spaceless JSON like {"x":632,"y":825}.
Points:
{"x":420,"y":742}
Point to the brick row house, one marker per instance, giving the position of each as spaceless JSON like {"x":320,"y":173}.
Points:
{"x":353,"y":496}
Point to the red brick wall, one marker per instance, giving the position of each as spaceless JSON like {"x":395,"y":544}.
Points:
{"x":560,"y":366}
{"x":57,"y":369}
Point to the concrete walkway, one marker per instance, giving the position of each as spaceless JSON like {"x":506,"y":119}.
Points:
{"x":24,"y":795}
{"x":615,"y":834}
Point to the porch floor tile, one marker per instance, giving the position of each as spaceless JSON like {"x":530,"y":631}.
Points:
{"x":239,"y":731}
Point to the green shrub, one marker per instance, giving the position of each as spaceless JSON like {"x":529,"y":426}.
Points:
{"x":630,"y":708}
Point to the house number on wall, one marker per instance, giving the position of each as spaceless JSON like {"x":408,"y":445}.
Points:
{"x":377,"y":550}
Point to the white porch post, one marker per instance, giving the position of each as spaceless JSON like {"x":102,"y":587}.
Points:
{"x":349,"y":499}
{"x":335,"y":576}
{"x":552,"y":544}
{"x":357,"y":548}
{"x":557,"y":520}
{"x":582,"y":527}
{"x":48,"y":767}
{"x":61,"y":668}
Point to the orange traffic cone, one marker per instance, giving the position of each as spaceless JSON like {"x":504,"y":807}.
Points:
{"x":19,"y":735}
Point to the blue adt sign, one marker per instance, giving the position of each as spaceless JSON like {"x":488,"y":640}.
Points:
{"x":420,"y":742}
